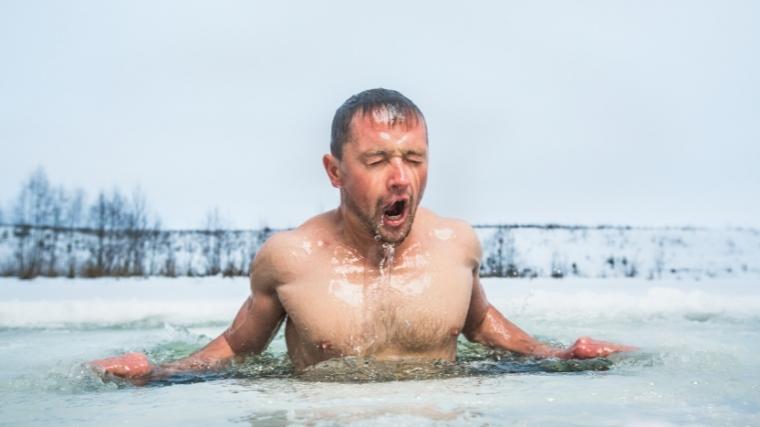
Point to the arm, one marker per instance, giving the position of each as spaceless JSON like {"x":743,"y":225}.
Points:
{"x":137,"y":368}
{"x":254,"y":326}
{"x":486,"y":325}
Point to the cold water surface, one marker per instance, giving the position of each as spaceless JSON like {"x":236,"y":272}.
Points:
{"x":697,"y":365}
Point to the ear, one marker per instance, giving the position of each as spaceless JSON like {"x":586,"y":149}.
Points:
{"x":332,"y":167}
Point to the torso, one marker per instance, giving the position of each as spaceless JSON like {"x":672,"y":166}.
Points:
{"x":412,"y":305}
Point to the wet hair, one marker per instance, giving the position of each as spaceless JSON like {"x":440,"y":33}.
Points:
{"x":386,"y":105}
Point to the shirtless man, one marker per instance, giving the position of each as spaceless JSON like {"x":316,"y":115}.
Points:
{"x":379,"y":276}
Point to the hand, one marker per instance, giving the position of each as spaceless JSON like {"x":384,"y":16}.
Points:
{"x":587,"y":348}
{"x":132,"y":366}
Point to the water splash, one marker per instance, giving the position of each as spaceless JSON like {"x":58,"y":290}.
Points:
{"x":386,"y":262}
{"x":63,"y":378}
{"x":473,"y":360}
{"x":443,"y":233}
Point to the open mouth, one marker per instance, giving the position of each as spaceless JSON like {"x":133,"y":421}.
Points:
{"x":395,"y":212}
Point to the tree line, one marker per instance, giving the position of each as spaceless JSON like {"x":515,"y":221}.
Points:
{"x":56,"y":232}
{"x":51,"y":231}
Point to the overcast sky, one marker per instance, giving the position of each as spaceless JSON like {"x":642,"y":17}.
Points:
{"x":614,"y":112}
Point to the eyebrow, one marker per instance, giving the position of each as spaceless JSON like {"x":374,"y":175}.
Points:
{"x":384,"y":153}
{"x":415,"y":153}
{"x":375,"y":153}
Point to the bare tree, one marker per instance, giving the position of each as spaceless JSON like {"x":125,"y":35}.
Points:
{"x":53,"y":229}
{"x":169,"y":267}
{"x":116,"y":220}
{"x":31,"y":213}
{"x":136,"y":225}
{"x":98,"y":214}
{"x":57,"y":200}
{"x":499,"y":255}
{"x":214,"y":241}
{"x":106,"y":218}
{"x":73,"y":222}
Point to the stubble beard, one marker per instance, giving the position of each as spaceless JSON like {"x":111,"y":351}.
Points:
{"x":374,"y":224}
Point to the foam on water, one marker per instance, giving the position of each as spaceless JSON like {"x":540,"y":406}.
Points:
{"x":474,"y":360}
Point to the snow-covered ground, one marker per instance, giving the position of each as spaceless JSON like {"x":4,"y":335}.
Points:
{"x":61,"y":302}
{"x":599,"y":252}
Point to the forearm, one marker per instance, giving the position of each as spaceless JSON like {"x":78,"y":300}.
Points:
{"x":214,"y":356}
{"x":498,"y":332}
{"x":253,"y":327}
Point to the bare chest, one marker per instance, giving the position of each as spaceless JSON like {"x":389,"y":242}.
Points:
{"x":413,"y":305}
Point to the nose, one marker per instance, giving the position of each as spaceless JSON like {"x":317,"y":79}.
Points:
{"x":399,"y":176}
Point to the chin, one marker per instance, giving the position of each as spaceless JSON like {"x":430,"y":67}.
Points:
{"x":394,"y":240}
{"x":395,"y":236}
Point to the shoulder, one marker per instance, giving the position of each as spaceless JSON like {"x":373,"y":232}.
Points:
{"x":284,"y":254}
{"x":452,"y":230}
{"x":273,"y":253}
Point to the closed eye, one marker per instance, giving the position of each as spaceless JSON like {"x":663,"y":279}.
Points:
{"x":374,"y":158}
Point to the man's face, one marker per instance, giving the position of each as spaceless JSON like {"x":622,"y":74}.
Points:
{"x":383,"y":173}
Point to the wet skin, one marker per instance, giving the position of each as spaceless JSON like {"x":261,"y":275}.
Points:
{"x":340,"y":302}
{"x":375,"y":277}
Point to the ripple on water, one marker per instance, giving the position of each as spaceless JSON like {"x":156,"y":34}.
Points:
{"x":473,"y":360}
